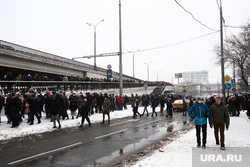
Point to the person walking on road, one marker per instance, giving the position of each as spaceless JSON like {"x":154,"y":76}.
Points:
{"x":106,"y":109}
{"x":169,"y":108}
{"x":85,"y":112}
{"x":184,"y":109}
{"x":153,"y":105}
{"x":219,"y":117}
{"x":145,"y":103}
{"x":200,"y":112}
{"x":135,"y":108}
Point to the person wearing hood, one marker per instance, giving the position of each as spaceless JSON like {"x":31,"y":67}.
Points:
{"x":219,"y":118}
{"x":200,"y":112}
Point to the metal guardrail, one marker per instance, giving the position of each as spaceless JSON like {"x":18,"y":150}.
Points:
{"x":23,"y":86}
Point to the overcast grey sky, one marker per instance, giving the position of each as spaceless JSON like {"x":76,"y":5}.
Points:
{"x":59,"y":27}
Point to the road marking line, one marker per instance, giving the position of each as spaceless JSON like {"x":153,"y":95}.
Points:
{"x":72,"y":145}
{"x":132,"y":120}
{"x":111,"y":133}
{"x":148,"y":123}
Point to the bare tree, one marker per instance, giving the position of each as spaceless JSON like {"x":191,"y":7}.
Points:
{"x":237,"y":52}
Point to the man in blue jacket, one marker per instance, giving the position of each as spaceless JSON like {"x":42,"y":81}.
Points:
{"x":200,"y":112}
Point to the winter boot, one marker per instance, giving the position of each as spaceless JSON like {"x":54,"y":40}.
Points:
{"x":222,"y":147}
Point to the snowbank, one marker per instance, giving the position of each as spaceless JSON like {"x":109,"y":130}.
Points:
{"x":179,"y":152}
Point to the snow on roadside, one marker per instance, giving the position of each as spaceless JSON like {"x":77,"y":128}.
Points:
{"x":179,"y":152}
{"x":46,"y":126}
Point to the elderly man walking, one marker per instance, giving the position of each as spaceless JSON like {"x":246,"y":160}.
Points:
{"x":219,"y":117}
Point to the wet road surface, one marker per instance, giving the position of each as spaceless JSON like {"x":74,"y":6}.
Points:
{"x":98,"y":145}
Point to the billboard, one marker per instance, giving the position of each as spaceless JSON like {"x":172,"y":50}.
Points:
{"x":178,"y":75}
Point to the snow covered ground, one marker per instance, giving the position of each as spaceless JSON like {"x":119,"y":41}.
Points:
{"x":179,"y":152}
{"x":45,"y":126}
{"x":176,"y":153}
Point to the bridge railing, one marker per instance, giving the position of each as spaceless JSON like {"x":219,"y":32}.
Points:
{"x":24,"y":86}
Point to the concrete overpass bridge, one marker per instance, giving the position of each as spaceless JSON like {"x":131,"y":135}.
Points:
{"x":21,"y":57}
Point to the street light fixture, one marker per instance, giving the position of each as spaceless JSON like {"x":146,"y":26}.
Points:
{"x":133,"y":60}
{"x":94,"y":25}
{"x":157,"y":74}
{"x":148,"y":68}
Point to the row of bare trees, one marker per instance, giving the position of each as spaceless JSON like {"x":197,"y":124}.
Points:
{"x":237,"y":55}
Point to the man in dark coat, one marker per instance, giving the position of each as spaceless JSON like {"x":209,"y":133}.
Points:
{"x":169,"y":108}
{"x":85,"y":112}
{"x":153,"y":105}
{"x":162,"y":103}
{"x":33,"y":106}
{"x":56,"y":109}
{"x":219,"y":117}
{"x":145,"y":103}
{"x":15,"y":107}
{"x":73,"y":104}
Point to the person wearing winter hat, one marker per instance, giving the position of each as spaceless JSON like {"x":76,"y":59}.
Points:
{"x":219,"y":117}
{"x":200,"y":112}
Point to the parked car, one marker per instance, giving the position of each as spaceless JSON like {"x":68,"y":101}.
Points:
{"x":178,"y":104}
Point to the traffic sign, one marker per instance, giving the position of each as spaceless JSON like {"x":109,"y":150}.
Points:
{"x":248,"y":80}
{"x":234,"y":85}
{"x":227,"y":78}
{"x":227,"y":86}
{"x":232,"y":80}
{"x":234,"y":89}
{"x":184,"y":87}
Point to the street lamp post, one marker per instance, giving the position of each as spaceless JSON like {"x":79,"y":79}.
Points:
{"x":133,"y":61}
{"x":94,"y":25}
{"x":148,"y":68}
{"x":157,"y":74}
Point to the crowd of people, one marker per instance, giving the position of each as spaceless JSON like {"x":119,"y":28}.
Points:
{"x":15,"y":75}
{"x":55,"y":106}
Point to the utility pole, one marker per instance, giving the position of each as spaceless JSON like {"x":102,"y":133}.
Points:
{"x":120,"y":51}
{"x":222,"y":55}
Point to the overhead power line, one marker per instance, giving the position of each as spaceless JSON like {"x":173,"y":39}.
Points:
{"x":176,"y":43}
{"x":194,"y":17}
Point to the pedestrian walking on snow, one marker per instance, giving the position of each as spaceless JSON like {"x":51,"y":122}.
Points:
{"x":200,"y":112}
{"x":219,"y":118}
{"x":106,"y":109}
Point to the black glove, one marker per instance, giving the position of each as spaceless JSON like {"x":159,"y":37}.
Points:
{"x":227,"y":127}
{"x":211,"y":125}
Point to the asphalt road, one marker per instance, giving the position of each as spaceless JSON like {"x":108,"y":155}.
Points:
{"x":98,"y":145}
